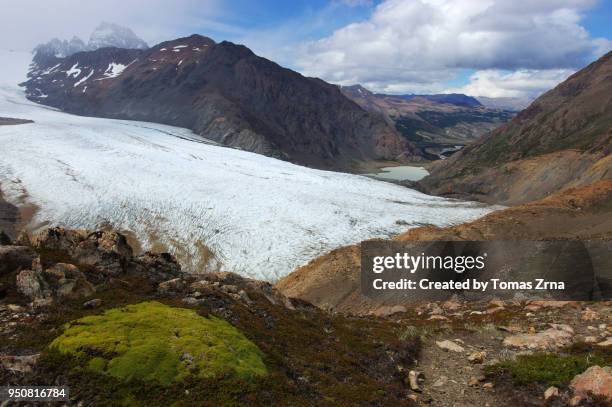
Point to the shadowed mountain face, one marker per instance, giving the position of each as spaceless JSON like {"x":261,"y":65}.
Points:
{"x":438,"y":125}
{"x":563,"y":139}
{"x":223,"y":92}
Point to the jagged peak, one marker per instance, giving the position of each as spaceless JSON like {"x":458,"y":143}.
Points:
{"x":113,"y":35}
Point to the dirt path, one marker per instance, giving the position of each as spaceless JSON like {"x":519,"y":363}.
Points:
{"x":448,"y":374}
{"x":459,"y":345}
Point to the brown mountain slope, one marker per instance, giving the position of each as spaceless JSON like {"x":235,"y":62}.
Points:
{"x":333,"y":280}
{"x":223,"y":92}
{"x":563,"y":139}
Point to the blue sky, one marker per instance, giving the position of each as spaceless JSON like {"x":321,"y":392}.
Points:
{"x":598,"y":21}
{"x":493,"y":48}
{"x":581,"y":30}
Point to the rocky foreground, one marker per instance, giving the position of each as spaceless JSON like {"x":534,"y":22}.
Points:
{"x":80,"y":309}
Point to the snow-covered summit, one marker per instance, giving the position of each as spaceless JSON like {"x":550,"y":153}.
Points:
{"x":105,"y":35}
{"x":113,"y":35}
{"x":60,"y":48}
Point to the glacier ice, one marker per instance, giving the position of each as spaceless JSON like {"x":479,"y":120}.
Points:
{"x":261,"y":217}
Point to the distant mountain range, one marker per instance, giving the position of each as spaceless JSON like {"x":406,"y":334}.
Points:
{"x":563,"y":139}
{"x":223,"y":92}
{"x":438,"y":125}
{"x":515,"y":104}
{"x":457,"y":99}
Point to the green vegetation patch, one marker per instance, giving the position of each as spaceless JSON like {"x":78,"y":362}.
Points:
{"x":550,"y":369}
{"x":155,"y":342}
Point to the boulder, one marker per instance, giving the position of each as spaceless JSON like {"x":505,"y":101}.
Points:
{"x":440,"y":382}
{"x":435,"y":309}
{"x":475,"y":381}
{"x":451,"y":305}
{"x":553,"y":304}
{"x":174,"y":285}
{"x":31,"y":284}
{"x":15,"y":258}
{"x":477,"y":357}
{"x":107,"y":251}
{"x":496,"y":304}
{"x":595,"y":380}
{"x":450,"y":346}
{"x":4,"y":238}
{"x":60,"y":281}
{"x":388,"y":310}
{"x":494,"y":310}
{"x":437,"y":318}
{"x":19,"y":364}
{"x":551,"y":392}
{"x":67,"y":281}
{"x":247,"y":284}
{"x":57,"y":239}
{"x":95,"y":303}
{"x":589,"y":315}
{"x":414,"y":380}
{"x":23,"y":239}
{"x":558,"y":335}
{"x":158,"y":266}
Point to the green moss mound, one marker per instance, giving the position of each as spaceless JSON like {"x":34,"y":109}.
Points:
{"x":153,"y":341}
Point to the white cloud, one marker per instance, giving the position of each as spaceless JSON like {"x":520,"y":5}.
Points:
{"x":26,"y":23}
{"x":520,"y":83}
{"x":357,"y":3}
{"x":412,"y":45}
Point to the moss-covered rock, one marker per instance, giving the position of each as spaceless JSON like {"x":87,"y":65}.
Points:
{"x":153,"y":341}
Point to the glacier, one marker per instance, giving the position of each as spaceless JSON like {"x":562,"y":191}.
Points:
{"x":214,"y":207}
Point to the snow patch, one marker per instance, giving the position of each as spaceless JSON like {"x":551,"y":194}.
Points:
{"x":74,"y":71}
{"x":82,"y":80}
{"x":49,"y":70}
{"x":114,"y":70}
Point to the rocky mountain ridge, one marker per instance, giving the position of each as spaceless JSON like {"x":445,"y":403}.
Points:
{"x":225,"y":93}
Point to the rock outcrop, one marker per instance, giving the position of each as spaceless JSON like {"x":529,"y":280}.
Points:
{"x":60,"y":264}
{"x":595,"y":381}
{"x":106,"y":251}
{"x":15,"y":258}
